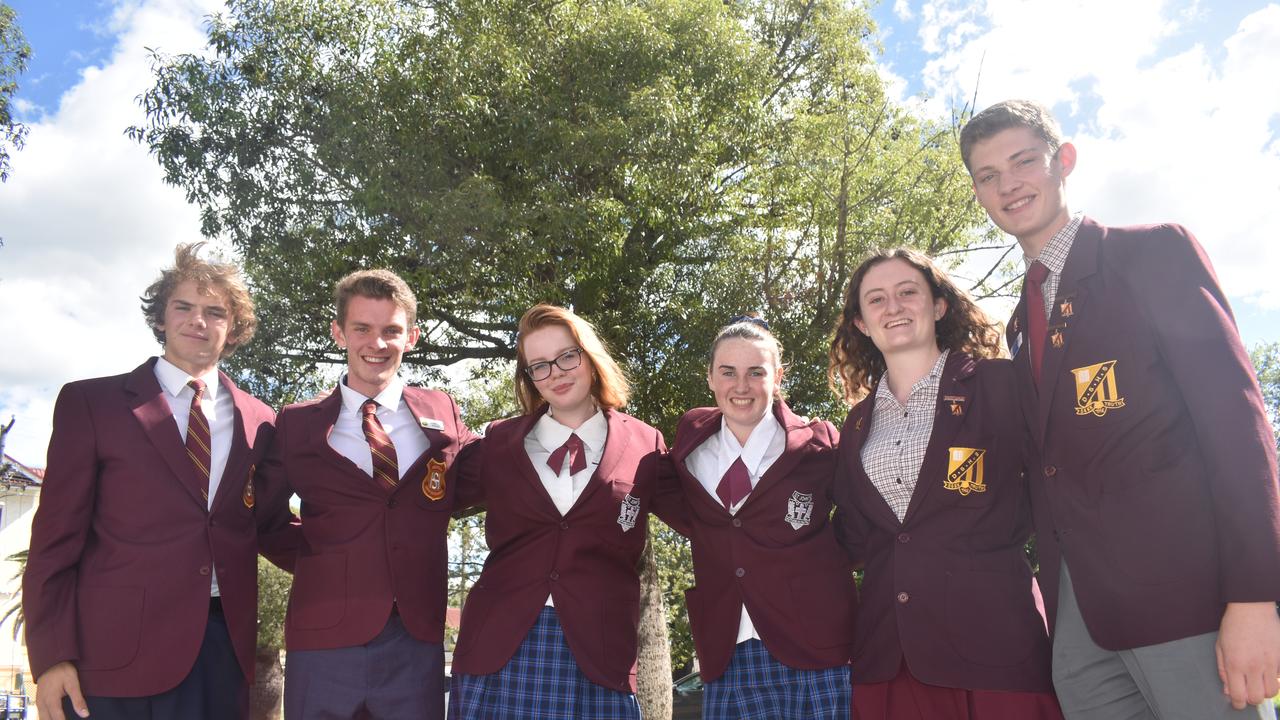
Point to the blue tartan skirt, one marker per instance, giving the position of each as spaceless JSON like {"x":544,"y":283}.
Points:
{"x":540,"y":682}
{"x":757,"y":687}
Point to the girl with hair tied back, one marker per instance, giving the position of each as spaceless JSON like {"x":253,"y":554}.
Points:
{"x":932,"y":503}
{"x":549,"y":630}
{"x":773,"y":608}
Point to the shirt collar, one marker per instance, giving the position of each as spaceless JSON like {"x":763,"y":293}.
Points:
{"x":174,"y":379}
{"x":931,"y":380}
{"x":551,"y":433}
{"x":389,"y":398}
{"x":757,"y":442}
{"x":1054,"y":254}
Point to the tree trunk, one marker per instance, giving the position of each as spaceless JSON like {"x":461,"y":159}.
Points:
{"x":267,"y":689}
{"x":653,"y":672}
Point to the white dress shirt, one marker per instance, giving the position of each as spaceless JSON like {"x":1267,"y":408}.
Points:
{"x":711,"y":460}
{"x":398,"y":421}
{"x":219,"y":411}
{"x":547,"y":435}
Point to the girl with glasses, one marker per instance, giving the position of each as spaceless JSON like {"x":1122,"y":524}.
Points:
{"x":549,"y":629}
{"x":932,"y":503}
{"x":772,"y":611}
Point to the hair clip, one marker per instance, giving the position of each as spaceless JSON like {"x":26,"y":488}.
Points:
{"x":753,"y":319}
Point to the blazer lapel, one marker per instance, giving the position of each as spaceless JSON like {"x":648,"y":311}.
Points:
{"x":852,"y":443}
{"x":798,"y":434}
{"x":152,"y":411}
{"x":518,"y":458}
{"x":234,"y":473}
{"x":697,"y":432}
{"x":952,"y":393}
{"x":615,"y":447}
{"x":323,"y":416}
{"x":1072,"y":297}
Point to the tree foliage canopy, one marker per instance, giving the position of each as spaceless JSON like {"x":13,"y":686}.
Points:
{"x":14,"y":53}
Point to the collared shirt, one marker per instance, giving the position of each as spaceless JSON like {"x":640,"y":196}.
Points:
{"x":899,"y":436}
{"x":711,"y":460}
{"x":547,"y":435}
{"x":219,"y":410}
{"x":398,"y":421}
{"x":1054,"y":257}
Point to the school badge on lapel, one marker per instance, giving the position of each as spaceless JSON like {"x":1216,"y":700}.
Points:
{"x":799,"y":510}
{"x":433,"y":483}
{"x":247,"y":496}
{"x":629,"y":512}
{"x":955,"y":403}
{"x":1065,"y":308}
{"x":1056,"y":338}
{"x":1096,"y":389}
{"x":964,"y":470}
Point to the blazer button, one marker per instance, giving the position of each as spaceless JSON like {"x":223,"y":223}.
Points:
{"x":903,"y":598}
{"x":1050,"y":471}
{"x":554,"y":576}
{"x":737,"y":522}
{"x":904,"y":537}
{"x":204,"y":569}
{"x":740,"y":572}
{"x":564,"y":526}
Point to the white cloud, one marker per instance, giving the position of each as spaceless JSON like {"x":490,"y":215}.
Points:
{"x":902,"y":9}
{"x":87,"y":224}
{"x":1169,"y":126}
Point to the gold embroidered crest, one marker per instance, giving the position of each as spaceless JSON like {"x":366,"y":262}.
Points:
{"x":1096,"y":389}
{"x":247,"y":496}
{"x":964,"y":470}
{"x":433,"y":482}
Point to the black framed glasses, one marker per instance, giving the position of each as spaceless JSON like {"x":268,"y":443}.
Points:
{"x":567,"y":360}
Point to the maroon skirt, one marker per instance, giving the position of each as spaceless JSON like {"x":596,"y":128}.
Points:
{"x":905,"y":698}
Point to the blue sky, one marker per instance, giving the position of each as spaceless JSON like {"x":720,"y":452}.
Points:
{"x":1174,"y":106}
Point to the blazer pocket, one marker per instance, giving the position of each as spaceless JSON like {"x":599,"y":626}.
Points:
{"x":110,"y":626}
{"x":319,"y":597}
{"x":991,"y":618}
{"x":825,"y":602}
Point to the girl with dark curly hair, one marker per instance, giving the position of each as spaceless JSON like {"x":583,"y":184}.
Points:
{"x":932,"y":503}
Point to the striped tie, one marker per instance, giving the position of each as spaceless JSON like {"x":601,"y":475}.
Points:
{"x":198,"y":437}
{"x":380,"y":447}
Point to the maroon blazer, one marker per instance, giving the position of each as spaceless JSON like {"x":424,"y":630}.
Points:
{"x":949,"y":587}
{"x":586,"y":560}
{"x":122,"y":544}
{"x":363,"y":545}
{"x":794,"y":579}
{"x":1157,"y":481}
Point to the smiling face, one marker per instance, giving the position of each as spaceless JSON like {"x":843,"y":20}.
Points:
{"x":195,"y":327}
{"x":375,"y":336}
{"x":568,"y":392}
{"x":896,"y":308}
{"x":1022,"y":184}
{"x":744,"y":377}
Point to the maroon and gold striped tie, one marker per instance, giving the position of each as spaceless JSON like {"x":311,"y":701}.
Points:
{"x":199,"y":438}
{"x":380,"y":447}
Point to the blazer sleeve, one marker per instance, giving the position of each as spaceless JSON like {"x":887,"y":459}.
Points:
{"x":59,"y":531}
{"x":1200,"y":345}
{"x":279,"y":532}
{"x":669,"y":502}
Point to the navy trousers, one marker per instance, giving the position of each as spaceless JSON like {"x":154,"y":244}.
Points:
{"x":215,"y":689}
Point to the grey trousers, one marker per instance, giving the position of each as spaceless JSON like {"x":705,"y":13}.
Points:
{"x":1177,"y":680}
{"x":393,"y":677}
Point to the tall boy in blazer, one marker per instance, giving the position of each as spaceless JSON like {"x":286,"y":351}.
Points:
{"x":1156,"y":504}
{"x":140,"y":593}
{"x":370,"y":462}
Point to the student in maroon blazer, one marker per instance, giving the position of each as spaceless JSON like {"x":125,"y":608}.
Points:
{"x":932,"y":502}
{"x":140,"y":593}
{"x":1156,"y":500}
{"x":772,"y":612}
{"x":550,"y":626}
{"x":365,"y":624}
